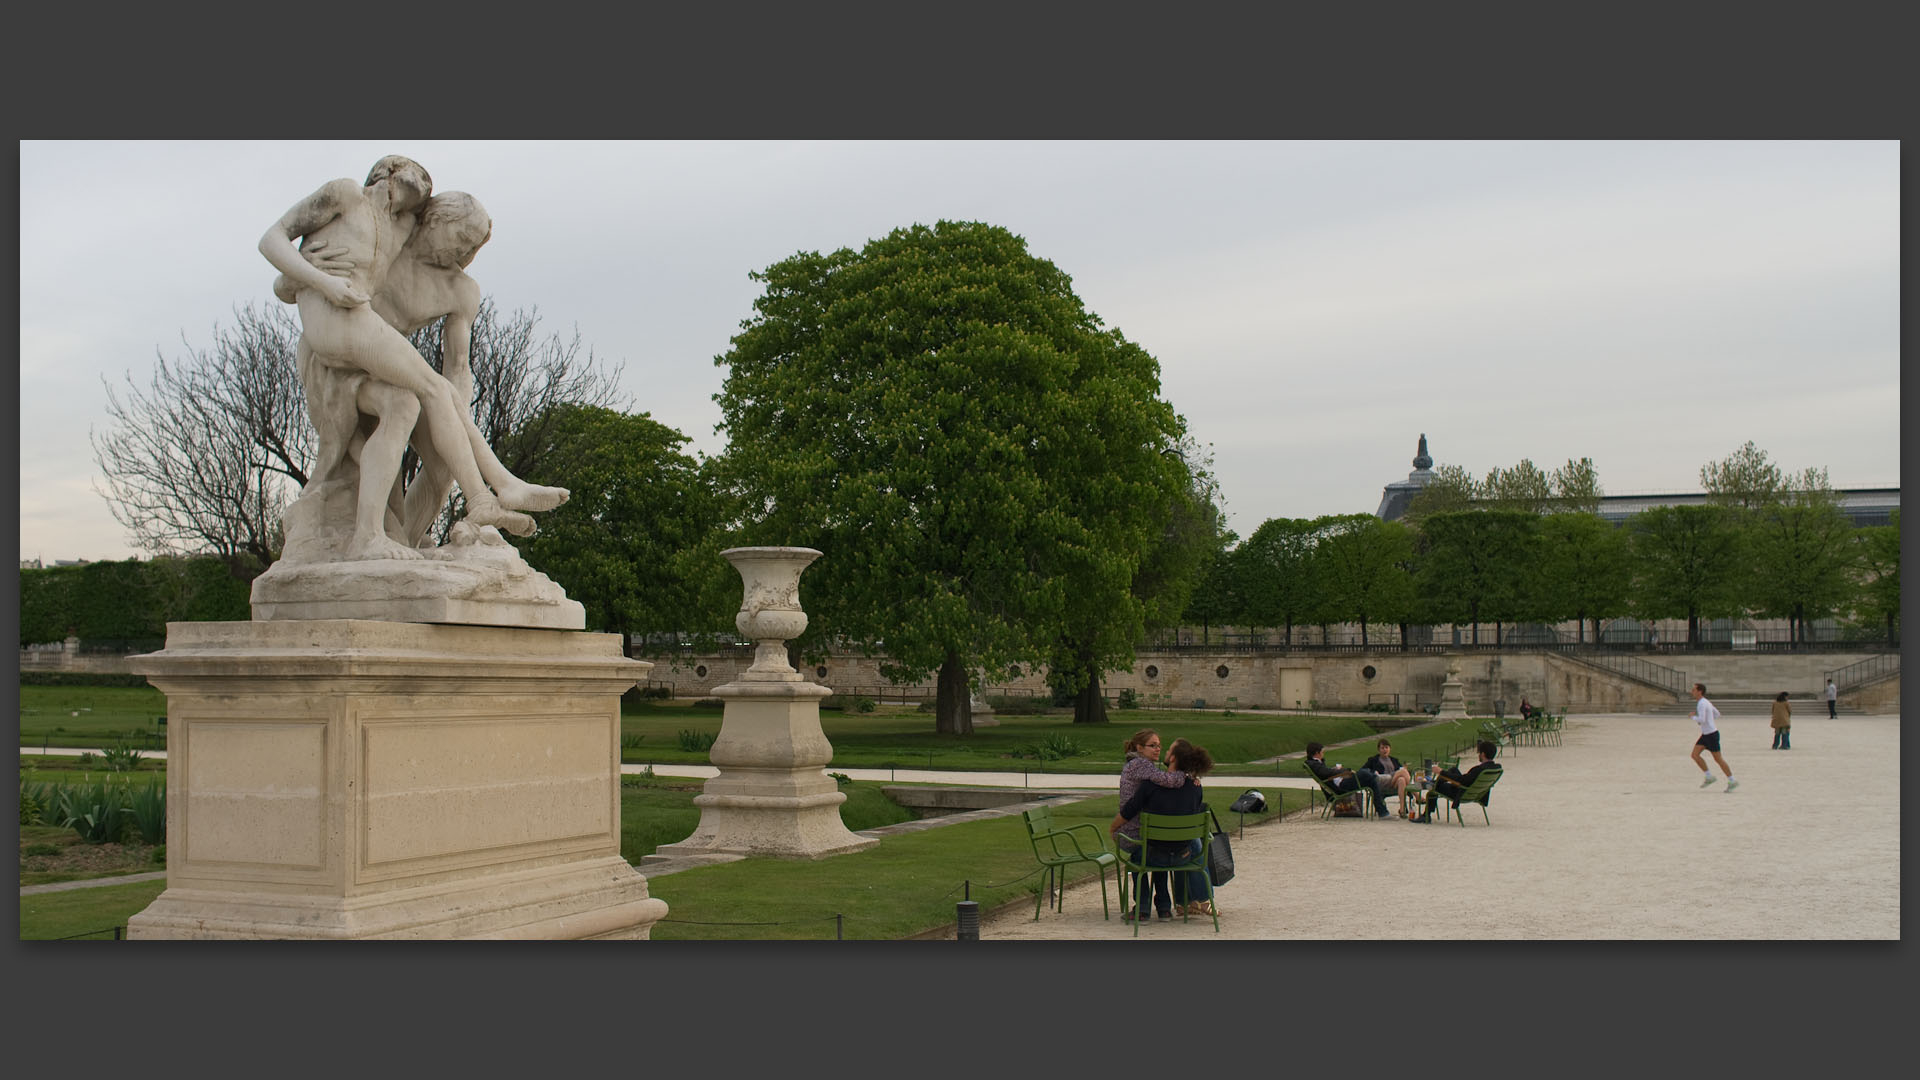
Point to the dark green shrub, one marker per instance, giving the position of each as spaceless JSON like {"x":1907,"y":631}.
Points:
{"x":33,"y":807}
{"x":97,"y":811}
{"x":1129,"y":699}
{"x":709,"y":703}
{"x":698,"y":742}
{"x":120,"y":757}
{"x":1021,"y":706}
{"x":848,"y":703}
{"x":147,"y":807}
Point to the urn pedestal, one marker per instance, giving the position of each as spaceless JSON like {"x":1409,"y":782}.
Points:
{"x":345,"y":779}
{"x":772,"y":795}
{"x":1453,"y":701}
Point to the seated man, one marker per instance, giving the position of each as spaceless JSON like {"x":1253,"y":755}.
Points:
{"x":1451,"y":783}
{"x":1338,"y":778}
{"x":1390,"y":777}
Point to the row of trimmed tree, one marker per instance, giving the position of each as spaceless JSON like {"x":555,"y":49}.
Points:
{"x":1763,"y":546}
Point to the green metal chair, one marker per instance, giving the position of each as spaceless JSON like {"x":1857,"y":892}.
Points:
{"x":1365,"y":796}
{"x":1475,"y":792}
{"x":1059,"y":848}
{"x":1177,"y":827}
{"x":1500,"y":733}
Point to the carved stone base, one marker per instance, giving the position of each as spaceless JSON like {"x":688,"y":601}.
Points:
{"x":1453,"y":701}
{"x":355,"y":779}
{"x":475,"y":579}
{"x":773,"y":796}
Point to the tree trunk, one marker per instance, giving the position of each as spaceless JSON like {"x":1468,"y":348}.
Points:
{"x":1363,"y":631}
{"x":1090,"y":705}
{"x":953,"y":705}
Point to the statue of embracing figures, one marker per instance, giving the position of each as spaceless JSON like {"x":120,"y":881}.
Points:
{"x":375,"y":262}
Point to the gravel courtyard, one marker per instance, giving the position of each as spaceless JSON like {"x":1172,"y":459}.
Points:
{"x":1606,"y":836}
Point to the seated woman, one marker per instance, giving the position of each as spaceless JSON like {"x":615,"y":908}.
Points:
{"x":1191,"y":892}
{"x":1143,"y":767}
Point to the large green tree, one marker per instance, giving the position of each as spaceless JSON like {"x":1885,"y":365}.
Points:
{"x":1877,"y":573}
{"x":1362,"y":568}
{"x":1450,"y":490}
{"x":1744,"y":479}
{"x":1803,"y":553}
{"x":1191,"y":537}
{"x":1523,"y":487}
{"x":1585,"y":572}
{"x":984,"y":465}
{"x":1576,"y":487}
{"x":637,"y":541}
{"x":1476,"y":566}
{"x":1278,"y":578}
{"x":1687,"y":563}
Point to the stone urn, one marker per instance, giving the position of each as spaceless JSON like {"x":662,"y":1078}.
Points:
{"x":770,"y":613}
{"x":772,"y":795}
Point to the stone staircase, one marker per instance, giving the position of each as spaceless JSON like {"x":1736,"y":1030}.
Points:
{"x":1762,"y":705}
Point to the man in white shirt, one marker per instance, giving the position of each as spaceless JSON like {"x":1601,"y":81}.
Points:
{"x":1707,"y":717}
{"x":1833,"y":700}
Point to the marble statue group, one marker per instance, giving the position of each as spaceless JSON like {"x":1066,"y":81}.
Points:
{"x":375,"y":262}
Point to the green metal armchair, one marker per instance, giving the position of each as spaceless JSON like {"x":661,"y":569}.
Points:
{"x":1362,"y":794}
{"x":1059,"y":848}
{"x":1475,"y":792}
{"x":1164,"y":827}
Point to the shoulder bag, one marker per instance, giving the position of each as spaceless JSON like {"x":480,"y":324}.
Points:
{"x":1219,"y":853}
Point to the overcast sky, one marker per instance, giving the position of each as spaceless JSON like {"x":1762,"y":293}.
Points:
{"x":1314,"y":307}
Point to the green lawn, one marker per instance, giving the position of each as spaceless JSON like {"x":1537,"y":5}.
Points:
{"x":897,"y":736}
{"x":95,"y":911}
{"x":905,"y":886}
{"x":903,"y":737}
{"x":92,"y":716}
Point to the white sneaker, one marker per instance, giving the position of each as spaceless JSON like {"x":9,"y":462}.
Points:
{"x":1732,"y":783}
{"x":1709,"y":781}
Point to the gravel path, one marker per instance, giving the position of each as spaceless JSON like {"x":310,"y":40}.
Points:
{"x":1607,"y":836}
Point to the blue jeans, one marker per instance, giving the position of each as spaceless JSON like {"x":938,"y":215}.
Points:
{"x":1162,"y":901}
{"x":1781,"y":741}
{"x":1188,"y":885}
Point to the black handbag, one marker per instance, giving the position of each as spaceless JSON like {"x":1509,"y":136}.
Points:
{"x":1219,"y":853}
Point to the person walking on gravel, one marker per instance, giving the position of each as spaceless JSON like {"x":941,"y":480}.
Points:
{"x":1708,"y":718}
{"x":1833,"y":700}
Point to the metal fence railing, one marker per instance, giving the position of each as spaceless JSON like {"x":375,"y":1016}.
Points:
{"x":1866,"y":671}
{"x":1634,"y":667}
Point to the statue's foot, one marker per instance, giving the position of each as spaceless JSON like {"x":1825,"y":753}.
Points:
{"x":520,"y":495}
{"x":490,"y":512}
{"x":380,"y":546}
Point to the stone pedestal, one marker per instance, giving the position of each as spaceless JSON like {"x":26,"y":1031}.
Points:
{"x":772,"y":795}
{"x":1453,"y":700}
{"x":343,"y":779}
{"x":981,"y":712}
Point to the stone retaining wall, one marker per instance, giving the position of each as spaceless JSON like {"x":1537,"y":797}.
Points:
{"x":1350,"y":681}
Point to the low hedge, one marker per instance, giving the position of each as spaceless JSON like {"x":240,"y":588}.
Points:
{"x":81,"y":678}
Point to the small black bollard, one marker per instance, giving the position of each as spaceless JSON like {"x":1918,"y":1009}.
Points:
{"x":839,"y":928}
{"x":969,"y":916}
